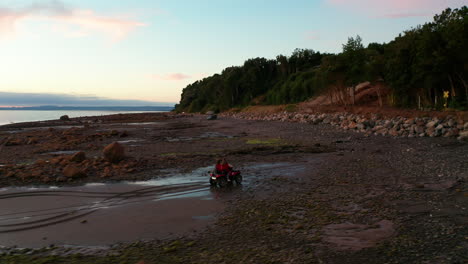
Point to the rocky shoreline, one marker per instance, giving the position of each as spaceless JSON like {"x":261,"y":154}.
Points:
{"x":450,"y":126}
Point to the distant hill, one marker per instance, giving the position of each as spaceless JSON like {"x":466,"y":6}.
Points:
{"x":91,"y":108}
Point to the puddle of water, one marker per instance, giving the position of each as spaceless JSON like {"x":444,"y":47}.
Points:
{"x":130,"y":141}
{"x":214,"y":135}
{"x":202,"y":192}
{"x":54,"y":127}
{"x":14,"y":131}
{"x":276,"y":169}
{"x":62,"y":152}
{"x":95,"y":184}
{"x":144,"y":123}
{"x":197,"y":176}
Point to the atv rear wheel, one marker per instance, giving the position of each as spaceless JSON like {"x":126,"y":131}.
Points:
{"x":238,"y":179}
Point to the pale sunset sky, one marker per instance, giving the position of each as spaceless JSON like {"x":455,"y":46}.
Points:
{"x":150,"y":50}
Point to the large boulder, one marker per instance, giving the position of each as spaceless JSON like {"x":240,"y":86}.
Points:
{"x":78,"y":157}
{"x":65,"y":118}
{"x":114,"y":152}
{"x":73,"y":171}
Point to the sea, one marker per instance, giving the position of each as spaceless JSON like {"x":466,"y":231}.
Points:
{"x":17,"y":116}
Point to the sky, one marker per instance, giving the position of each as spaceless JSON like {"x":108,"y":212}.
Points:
{"x":149,"y":50}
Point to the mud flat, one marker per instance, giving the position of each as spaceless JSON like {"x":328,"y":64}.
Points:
{"x":312,"y":194}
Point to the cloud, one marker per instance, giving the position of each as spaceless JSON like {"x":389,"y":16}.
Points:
{"x":171,"y":77}
{"x":38,"y":99}
{"x":312,"y":35}
{"x":396,"y":8}
{"x":68,"y":21}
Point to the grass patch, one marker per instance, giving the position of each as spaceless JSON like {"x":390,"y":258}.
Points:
{"x":270,"y":141}
{"x":290,"y":108}
{"x":188,"y":154}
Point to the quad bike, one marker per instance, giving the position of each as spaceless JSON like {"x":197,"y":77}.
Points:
{"x":223,"y":179}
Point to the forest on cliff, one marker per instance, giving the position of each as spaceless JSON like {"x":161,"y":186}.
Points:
{"x":426,"y":65}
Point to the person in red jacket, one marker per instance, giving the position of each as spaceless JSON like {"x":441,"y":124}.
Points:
{"x":222,"y":166}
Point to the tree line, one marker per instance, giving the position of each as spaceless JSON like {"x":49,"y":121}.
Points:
{"x":424,"y":66}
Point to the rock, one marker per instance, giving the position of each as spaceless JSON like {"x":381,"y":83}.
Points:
{"x":431,"y":124}
{"x":439,"y":127}
{"x":212,"y":117}
{"x":65,"y":118}
{"x":449,"y":133}
{"x":78,"y":157}
{"x":420,"y":122}
{"x":14,"y":142}
{"x":56,"y":160}
{"x":72,"y":171}
{"x":463,"y":136}
{"x":430,"y":130}
{"x":36,"y":172}
{"x":114,"y":152}
{"x":64,"y":162}
{"x":61,"y":179}
{"x":123,"y":134}
{"x":465,"y":126}
{"x":419,"y":129}
{"x":32,"y":141}
{"x":409,"y":121}
{"x":369,"y":123}
{"x":436,"y":133}
{"x":388,"y":124}
{"x":45,"y":179}
{"x":451,"y":123}
{"x":393,"y":132}
{"x":40,"y":162}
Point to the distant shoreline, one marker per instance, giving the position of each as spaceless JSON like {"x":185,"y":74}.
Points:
{"x":90,"y":108}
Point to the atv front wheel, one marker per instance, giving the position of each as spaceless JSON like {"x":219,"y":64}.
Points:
{"x":212,"y":182}
{"x":222,"y":182}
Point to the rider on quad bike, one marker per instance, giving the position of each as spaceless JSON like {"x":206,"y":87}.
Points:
{"x":223,"y":167}
{"x":224,"y":174}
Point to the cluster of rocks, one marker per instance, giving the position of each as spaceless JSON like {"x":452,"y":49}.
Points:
{"x":55,"y":140}
{"x":68,"y":168}
{"x":396,"y":127}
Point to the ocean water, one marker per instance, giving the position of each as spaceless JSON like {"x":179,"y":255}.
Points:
{"x":16,"y":116}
